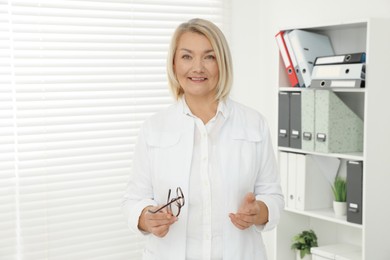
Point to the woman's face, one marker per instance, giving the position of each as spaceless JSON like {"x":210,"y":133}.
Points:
{"x":196,"y":66}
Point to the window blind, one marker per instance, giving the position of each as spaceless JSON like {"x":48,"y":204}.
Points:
{"x":77,"y":79}
{"x":8,"y":188}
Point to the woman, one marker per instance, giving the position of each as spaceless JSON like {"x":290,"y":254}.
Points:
{"x":213,"y":155}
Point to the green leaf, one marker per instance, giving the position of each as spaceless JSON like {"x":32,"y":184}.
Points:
{"x":304,"y":241}
{"x":339,"y":189}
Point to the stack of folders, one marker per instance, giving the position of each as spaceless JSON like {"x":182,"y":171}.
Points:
{"x":305,"y":182}
{"x":340,"y":71}
{"x":328,"y":124}
{"x":289,"y":119}
{"x":318,"y":120}
{"x":299,"y":50}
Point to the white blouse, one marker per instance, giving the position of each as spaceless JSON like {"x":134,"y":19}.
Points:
{"x":215,"y":166}
{"x":204,"y":228}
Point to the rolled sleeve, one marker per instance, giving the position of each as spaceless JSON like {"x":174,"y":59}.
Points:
{"x":275,"y":206}
{"x":134,"y":213}
{"x":139,"y":192}
{"x":268,"y":188}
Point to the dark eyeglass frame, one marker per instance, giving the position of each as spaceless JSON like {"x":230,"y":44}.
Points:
{"x":179,"y":200}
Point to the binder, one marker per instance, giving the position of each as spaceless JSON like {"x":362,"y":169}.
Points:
{"x":359,"y":57}
{"x":292,"y":181}
{"x":283,"y":169}
{"x":308,"y":119}
{"x":295,"y":120}
{"x":312,"y":188}
{"x":284,"y":119}
{"x":337,"y":128}
{"x":307,"y":187}
{"x":293,"y":60}
{"x":354,"y":191}
{"x":286,"y":59}
{"x":337,"y":83}
{"x":307,"y":47}
{"x":340,"y":71}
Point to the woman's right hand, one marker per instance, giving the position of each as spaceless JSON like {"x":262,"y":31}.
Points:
{"x":156,"y":223}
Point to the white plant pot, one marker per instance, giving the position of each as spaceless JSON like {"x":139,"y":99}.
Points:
{"x":298,"y":256}
{"x":340,"y":208}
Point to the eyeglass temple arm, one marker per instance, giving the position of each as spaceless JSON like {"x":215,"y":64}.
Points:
{"x":166,"y":205}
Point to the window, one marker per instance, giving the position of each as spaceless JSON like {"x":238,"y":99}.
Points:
{"x":77,"y":79}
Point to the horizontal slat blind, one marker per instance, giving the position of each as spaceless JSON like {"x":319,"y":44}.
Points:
{"x":8,"y":188}
{"x":78,"y":78}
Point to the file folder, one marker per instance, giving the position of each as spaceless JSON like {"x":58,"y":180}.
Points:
{"x":307,"y":47}
{"x":295,"y":120}
{"x":359,"y":57}
{"x":337,"y":83}
{"x":286,"y":59}
{"x":312,"y":187}
{"x":292,"y":181}
{"x":354,"y":191}
{"x":337,"y":128}
{"x":308,"y":119}
{"x":307,"y":186}
{"x":283,"y":169}
{"x":293,"y":59}
{"x":340,"y":71}
{"x":284,"y":119}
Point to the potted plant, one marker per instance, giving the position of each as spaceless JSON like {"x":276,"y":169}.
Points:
{"x":303,"y":242}
{"x":339,"y":189}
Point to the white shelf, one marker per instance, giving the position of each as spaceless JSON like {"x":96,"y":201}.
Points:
{"x":325,"y":214}
{"x":354,"y":90}
{"x":330,"y":26}
{"x":370,"y":104}
{"x":347,"y":156}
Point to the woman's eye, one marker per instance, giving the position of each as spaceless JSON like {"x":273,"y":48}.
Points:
{"x":210,"y":57}
{"x":186,"y":57}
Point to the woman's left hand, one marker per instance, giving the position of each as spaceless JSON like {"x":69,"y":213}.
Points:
{"x":251,"y":212}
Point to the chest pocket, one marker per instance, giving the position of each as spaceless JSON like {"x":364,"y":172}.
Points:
{"x":163,"y":140}
{"x":248,"y":135}
{"x":245,"y":144}
{"x":245,"y":154}
{"x":164,"y":156}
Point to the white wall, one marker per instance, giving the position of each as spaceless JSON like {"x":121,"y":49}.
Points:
{"x":253,"y":27}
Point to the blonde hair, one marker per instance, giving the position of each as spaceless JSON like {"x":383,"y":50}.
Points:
{"x":220,"y":47}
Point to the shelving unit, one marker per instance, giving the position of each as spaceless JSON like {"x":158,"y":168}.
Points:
{"x":372,"y":104}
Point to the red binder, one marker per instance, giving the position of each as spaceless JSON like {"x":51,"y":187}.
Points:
{"x":292,"y":76}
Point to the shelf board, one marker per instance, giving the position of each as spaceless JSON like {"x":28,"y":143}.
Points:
{"x":358,"y":23}
{"x":325,"y":214}
{"x":353,"y":90}
{"x":349,"y":156}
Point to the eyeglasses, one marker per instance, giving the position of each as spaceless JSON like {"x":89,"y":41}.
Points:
{"x":174,"y":205}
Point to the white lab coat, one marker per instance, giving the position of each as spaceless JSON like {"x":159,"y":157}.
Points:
{"x":162,"y":161}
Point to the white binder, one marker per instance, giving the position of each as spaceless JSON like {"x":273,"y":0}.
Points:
{"x":312,"y":190}
{"x":340,"y":71}
{"x":307,"y":47}
{"x":337,"y":83}
{"x":306,"y":184}
{"x":293,"y":59}
{"x":283,"y":169}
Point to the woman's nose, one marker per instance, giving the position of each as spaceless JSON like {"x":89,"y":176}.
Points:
{"x":198,"y":65}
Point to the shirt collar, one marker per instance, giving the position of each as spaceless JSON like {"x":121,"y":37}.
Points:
{"x":221,"y":109}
